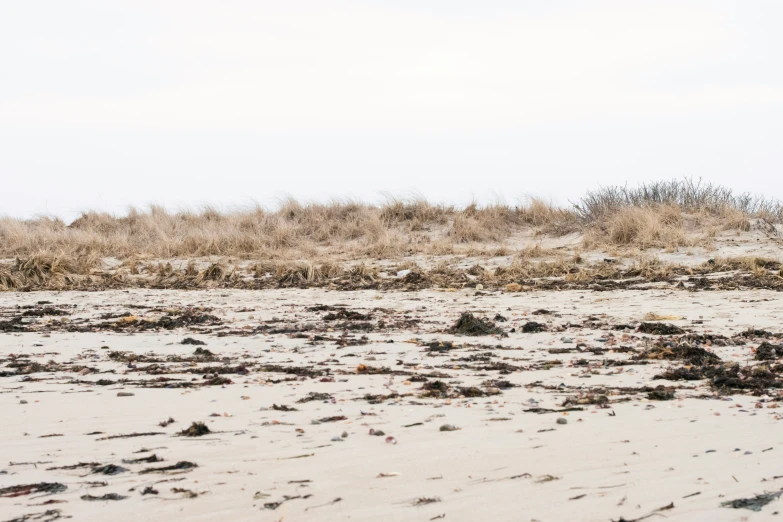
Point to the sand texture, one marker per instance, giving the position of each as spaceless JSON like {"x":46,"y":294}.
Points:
{"x":364,"y":405}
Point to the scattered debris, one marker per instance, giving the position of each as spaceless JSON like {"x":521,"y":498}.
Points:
{"x":753,"y":503}
{"x":423,"y":501}
{"x":196,"y":429}
{"x":146,"y":460}
{"x":181,"y":466}
{"x":107,"y":496}
{"x":132,"y":435}
{"x":315,"y":396}
{"x":50,"y":515}
{"x":49,"y":488}
{"x":109,"y":469}
{"x":333,"y":418}
{"x":286,"y":498}
{"x":186,"y":493}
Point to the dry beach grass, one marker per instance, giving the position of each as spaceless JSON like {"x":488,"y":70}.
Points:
{"x":665,"y":215}
{"x":308,"y":244}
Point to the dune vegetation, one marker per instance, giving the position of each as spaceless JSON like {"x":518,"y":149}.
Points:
{"x":286,"y":240}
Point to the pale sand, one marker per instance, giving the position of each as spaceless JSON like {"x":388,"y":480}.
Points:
{"x":648,"y":455}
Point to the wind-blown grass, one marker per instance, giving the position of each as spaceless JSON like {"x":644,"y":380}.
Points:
{"x":292,"y":230}
{"x":650,"y":215}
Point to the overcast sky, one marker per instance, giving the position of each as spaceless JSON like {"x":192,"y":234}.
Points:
{"x":106,"y":104}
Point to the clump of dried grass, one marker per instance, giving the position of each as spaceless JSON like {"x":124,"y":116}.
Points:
{"x":755,"y":265}
{"x":660,"y":226}
{"x":524,"y":268}
{"x":536,"y":251}
{"x":45,"y":270}
{"x":734,"y":219}
{"x":363,"y":273}
{"x":297,"y":274}
{"x":652,"y":269}
{"x":495,"y":223}
{"x":416,"y":210}
{"x":214,"y":272}
{"x":9,"y":279}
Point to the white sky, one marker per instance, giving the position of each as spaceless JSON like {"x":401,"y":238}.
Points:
{"x":110,"y":104}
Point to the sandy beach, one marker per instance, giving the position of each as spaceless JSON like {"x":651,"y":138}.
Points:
{"x":325,"y":405}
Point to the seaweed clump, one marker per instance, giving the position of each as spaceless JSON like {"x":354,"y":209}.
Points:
{"x":196,"y":429}
{"x":533,"y":327}
{"x":768,"y":352}
{"x":441,"y":390}
{"x":660,"y":393}
{"x":660,"y":329}
{"x":682,"y":352}
{"x":28,"y":489}
{"x":439,"y":346}
{"x":469,"y":324}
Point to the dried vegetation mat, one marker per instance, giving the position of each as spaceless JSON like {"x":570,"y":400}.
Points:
{"x":45,"y":272}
